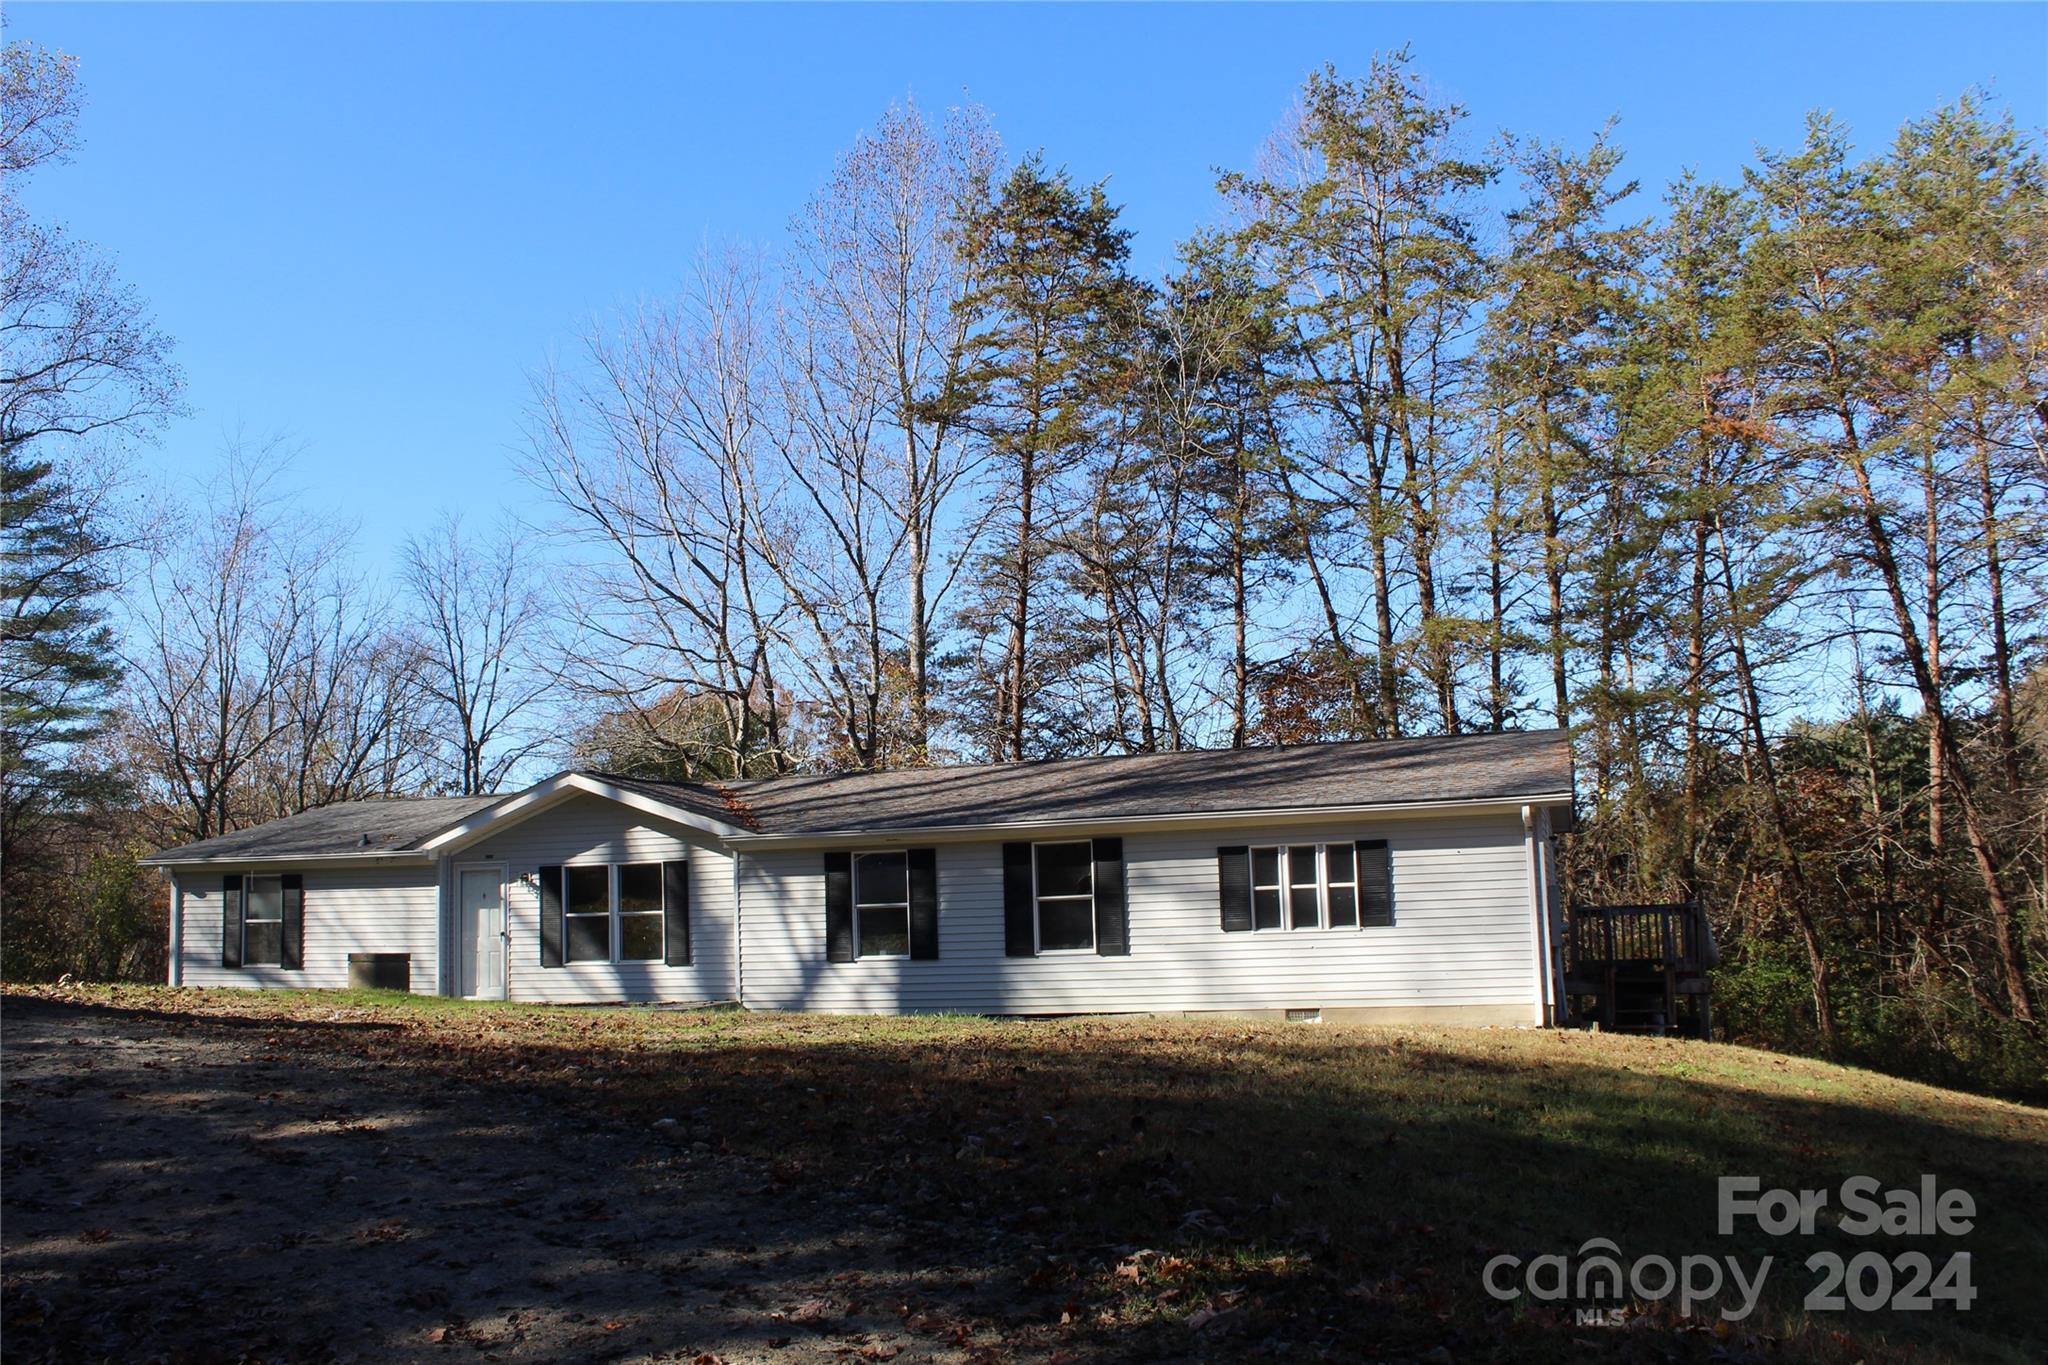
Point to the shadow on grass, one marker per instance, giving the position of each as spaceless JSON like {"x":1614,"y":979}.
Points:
{"x":1295,"y":1192}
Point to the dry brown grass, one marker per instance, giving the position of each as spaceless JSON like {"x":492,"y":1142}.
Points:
{"x":1230,"y":1189}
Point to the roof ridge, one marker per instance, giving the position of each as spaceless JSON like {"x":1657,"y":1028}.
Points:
{"x":1133,"y":758}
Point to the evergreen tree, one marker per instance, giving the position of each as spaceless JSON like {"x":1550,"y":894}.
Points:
{"x":1224,"y":353}
{"x":1367,"y":225}
{"x":1561,"y":287}
{"x":60,"y":665}
{"x":1052,"y":300}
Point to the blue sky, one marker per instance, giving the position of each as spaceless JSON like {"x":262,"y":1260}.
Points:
{"x":365,"y":225}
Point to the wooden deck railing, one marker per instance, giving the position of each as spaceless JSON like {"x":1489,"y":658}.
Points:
{"x":1638,"y":960}
{"x":1605,"y":936}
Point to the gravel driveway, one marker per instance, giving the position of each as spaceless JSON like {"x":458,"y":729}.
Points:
{"x":195,"y":1189}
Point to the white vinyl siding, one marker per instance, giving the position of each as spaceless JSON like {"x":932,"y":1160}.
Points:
{"x":592,"y":831}
{"x":347,"y":910}
{"x":1463,"y":934}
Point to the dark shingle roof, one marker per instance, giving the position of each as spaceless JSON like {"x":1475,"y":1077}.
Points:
{"x":1361,"y":773}
{"x":713,"y":802}
{"x":1385,"y":772}
{"x":392,"y":825}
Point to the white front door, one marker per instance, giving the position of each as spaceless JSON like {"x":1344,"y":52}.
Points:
{"x":480,"y":933}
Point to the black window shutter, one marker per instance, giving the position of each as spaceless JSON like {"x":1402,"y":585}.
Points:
{"x":924,"y":903}
{"x":551,"y":917}
{"x":1234,"y":887}
{"x":1020,"y":937}
{"x":675,"y":913}
{"x":231,"y":921}
{"x":292,"y":950}
{"x":1375,"y":883}
{"x":839,"y":907}
{"x":1112,"y":923}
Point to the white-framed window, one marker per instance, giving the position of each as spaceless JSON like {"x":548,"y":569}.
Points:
{"x":639,"y":912}
{"x":263,"y":921}
{"x":1340,"y":885}
{"x":587,"y":913}
{"x":1304,"y":886}
{"x":1266,"y":897}
{"x":1063,"y":896}
{"x":881,"y":904}
{"x":612,"y":912}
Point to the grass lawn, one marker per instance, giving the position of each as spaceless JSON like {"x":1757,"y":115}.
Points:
{"x":1230,"y":1190}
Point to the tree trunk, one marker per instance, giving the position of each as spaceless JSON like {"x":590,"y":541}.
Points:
{"x":1937,"y":863}
{"x":1801,"y":902}
{"x":1388,"y":721}
{"x":1020,"y":611}
{"x":918,"y":643}
{"x":1240,"y":658}
{"x":2011,"y":951}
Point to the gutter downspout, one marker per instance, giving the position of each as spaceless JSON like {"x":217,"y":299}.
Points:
{"x":1553,"y":916}
{"x":739,"y":987}
{"x":176,"y":974}
{"x":444,"y":974}
{"x":1540,"y":921}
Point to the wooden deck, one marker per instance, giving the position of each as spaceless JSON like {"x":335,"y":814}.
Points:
{"x":1638,"y":963}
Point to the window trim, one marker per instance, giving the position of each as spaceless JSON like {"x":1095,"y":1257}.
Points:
{"x":1279,"y":888}
{"x":1357,"y":906}
{"x":571,"y":915}
{"x":659,"y":914}
{"x":1286,"y":887}
{"x":1037,"y":900}
{"x":248,"y":893}
{"x":615,"y":941}
{"x":1318,"y":862}
{"x":853,"y":875}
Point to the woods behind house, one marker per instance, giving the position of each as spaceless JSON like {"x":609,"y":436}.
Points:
{"x":1436,"y":430}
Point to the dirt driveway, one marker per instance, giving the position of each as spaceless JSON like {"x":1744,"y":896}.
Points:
{"x":199,"y":1189}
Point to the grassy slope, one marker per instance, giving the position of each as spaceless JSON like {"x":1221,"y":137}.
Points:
{"x":1291,"y":1186}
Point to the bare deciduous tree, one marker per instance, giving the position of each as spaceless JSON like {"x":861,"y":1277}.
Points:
{"x":79,"y":355}
{"x":261,"y":681}
{"x":879,"y":273}
{"x":651,"y":450}
{"x":477,"y":617}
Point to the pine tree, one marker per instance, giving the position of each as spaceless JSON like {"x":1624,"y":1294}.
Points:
{"x":60,"y":662}
{"x":1052,"y":300}
{"x":1369,"y":230}
{"x":1548,"y":343}
{"x":1224,"y":355}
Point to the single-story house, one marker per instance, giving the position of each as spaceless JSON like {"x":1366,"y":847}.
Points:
{"x":1403,"y":880}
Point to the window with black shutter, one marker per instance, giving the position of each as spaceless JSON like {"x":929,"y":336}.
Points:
{"x":1064,"y":892}
{"x":263,"y":920}
{"x":881,"y":904}
{"x":1305,"y":886}
{"x":641,"y":921}
{"x":587,"y":908}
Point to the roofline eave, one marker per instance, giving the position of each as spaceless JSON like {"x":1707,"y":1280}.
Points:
{"x":1492,"y":805}
{"x":367,"y":857}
